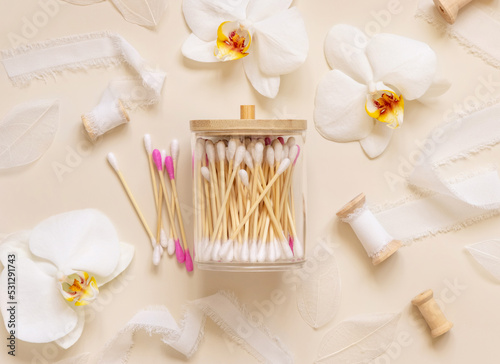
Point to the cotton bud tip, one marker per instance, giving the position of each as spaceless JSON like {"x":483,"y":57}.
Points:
{"x":174,"y":149}
{"x":157,"y":159}
{"x":231,"y":148}
{"x":248,"y":159}
{"x":216,"y":250}
{"x":283,"y":166}
{"x":147,"y":143}
{"x":240,"y":154}
{"x":278,"y":150}
{"x":244,"y":177}
{"x":210,"y":151}
{"x":189,"y":261}
{"x":199,"y":149}
{"x":270,"y":156}
{"x":281,"y":140}
{"x":221,"y":150}
{"x":298,"y":250}
{"x":163,"y":238}
{"x":268,"y":141}
{"x":112,"y":160}
{"x":290,"y":142}
{"x":170,"y":246}
{"x":169,"y":165}
{"x":179,"y":252}
{"x":205,"y":173}
{"x":157,"y":255}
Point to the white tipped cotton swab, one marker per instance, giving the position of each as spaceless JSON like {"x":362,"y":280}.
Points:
{"x":149,"y":151}
{"x":114,"y":163}
{"x":283,"y":167}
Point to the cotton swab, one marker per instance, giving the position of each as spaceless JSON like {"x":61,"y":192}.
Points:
{"x":283,"y":167}
{"x":114,"y":163}
{"x":181,"y":257}
{"x":169,"y":165}
{"x":149,"y":151}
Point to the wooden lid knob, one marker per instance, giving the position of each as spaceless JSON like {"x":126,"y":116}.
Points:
{"x":247,"y":112}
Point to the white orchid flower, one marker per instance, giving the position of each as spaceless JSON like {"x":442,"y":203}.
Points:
{"x":58,"y":267}
{"x":355,"y":102}
{"x":267,"y":35}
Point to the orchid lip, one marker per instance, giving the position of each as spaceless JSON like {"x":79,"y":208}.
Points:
{"x":79,"y":288}
{"x":233,"y":41}
{"x":385,"y":106}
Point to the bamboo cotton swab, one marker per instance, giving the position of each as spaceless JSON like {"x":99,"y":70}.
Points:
{"x":180,"y":254}
{"x":114,"y":163}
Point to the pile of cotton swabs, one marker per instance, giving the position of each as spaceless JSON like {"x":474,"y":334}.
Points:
{"x":244,"y":200}
{"x":159,"y":241}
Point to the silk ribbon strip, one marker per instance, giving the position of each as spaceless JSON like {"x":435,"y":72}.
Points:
{"x":449,"y":204}
{"x":79,"y":52}
{"x":476,"y":28}
{"x":221,"y":307}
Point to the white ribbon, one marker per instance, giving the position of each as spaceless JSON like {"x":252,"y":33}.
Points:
{"x":476,"y":28}
{"x":221,"y":307}
{"x":454,"y":203}
{"x":43,"y":59}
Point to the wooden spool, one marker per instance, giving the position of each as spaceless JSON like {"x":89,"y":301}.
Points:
{"x":432,"y":314}
{"x":449,"y":8}
{"x":357,"y":203}
{"x":91,"y":130}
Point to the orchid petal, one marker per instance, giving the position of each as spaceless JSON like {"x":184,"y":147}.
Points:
{"x":199,"y":50}
{"x":407,"y":64}
{"x":339,"y":112}
{"x":204,"y":16}
{"x":126,"y":254}
{"x":15,"y":243}
{"x":258,"y":10}
{"x":378,"y":140}
{"x":438,"y":87}
{"x":267,"y":86}
{"x":42,"y":314}
{"x":282,"y":42}
{"x":72,"y":337}
{"x":83,"y":240}
{"x":345,"y":50}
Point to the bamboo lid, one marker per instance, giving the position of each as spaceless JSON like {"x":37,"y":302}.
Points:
{"x":247,"y":122}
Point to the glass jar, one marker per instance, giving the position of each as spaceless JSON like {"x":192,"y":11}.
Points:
{"x":249,"y":193}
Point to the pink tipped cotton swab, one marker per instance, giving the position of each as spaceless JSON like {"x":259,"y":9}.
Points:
{"x":178,"y":249}
{"x":169,"y":165}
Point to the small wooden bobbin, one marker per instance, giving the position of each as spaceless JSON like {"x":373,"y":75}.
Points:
{"x":247,"y":111}
{"x":449,"y":8}
{"x":432,"y":313}
{"x":356,"y":203}
{"x":91,"y":130}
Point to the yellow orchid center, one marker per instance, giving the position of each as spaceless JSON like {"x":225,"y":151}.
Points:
{"x":79,"y":288}
{"x":233,"y":41}
{"x":386,"y":107}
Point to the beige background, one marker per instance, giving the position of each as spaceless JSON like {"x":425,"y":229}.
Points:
{"x":336,"y":173}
